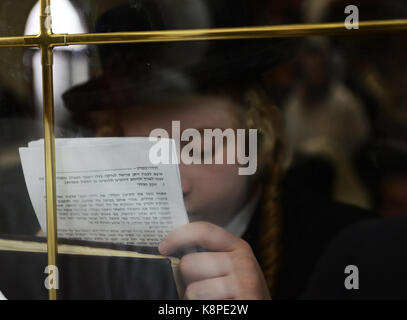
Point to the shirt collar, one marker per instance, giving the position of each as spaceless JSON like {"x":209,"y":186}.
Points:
{"x":239,"y":224}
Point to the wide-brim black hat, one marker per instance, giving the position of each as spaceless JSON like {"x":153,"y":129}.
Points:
{"x":146,"y":72}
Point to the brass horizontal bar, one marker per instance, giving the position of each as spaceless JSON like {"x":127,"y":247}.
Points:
{"x":25,"y":41}
{"x":281,"y":31}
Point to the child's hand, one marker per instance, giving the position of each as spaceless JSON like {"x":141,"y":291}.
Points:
{"x":230,"y":271}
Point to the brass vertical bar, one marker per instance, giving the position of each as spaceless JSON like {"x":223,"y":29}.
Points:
{"x":49,"y":147}
{"x":44,"y":10}
{"x":49,"y":138}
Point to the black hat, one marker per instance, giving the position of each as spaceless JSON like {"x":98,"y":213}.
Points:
{"x":140,"y":73}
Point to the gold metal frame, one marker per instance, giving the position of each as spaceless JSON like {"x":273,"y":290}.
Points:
{"x":47,"y":40}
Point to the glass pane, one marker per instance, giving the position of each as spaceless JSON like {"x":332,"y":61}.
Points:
{"x":21,"y":271}
{"x":19,"y":125}
{"x":329,"y":11}
{"x":282,"y":143}
{"x":13,"y":17}
{"x":78,"y":16}
{"x":187,"y":14}
{"x":344,"y":135}
{"x":333,"y":131}
{"x":343,"y":104}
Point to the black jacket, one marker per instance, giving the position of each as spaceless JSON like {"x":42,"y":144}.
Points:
{"x":378,"y":249}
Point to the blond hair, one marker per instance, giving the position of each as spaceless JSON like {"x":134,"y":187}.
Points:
{"x":261,"y":115}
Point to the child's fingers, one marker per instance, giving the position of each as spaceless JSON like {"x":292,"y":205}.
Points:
{"x":205,"y":265}
{"x":211,"y":289}
{"x":203,"y":234}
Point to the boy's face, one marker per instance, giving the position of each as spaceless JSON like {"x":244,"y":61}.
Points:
{"x":212,"y":192}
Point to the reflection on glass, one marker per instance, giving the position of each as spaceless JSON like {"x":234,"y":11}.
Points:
{"x":18,"y":125}
{"x":66,"y":19}
{"x":280,"y":143}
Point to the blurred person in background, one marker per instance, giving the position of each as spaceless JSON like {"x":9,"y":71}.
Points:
{"x":383,"y":167}
{"x":393,"y":187}
{"x":325,"y":126}
{"x":366,"y":261}
{"x":375,"y":69}
{"x":326,"y":121}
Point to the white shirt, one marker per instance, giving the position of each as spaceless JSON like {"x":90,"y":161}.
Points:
{"x":239,"y":224}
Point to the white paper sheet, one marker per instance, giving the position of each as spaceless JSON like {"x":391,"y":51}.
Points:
{"x":108,"y":190}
